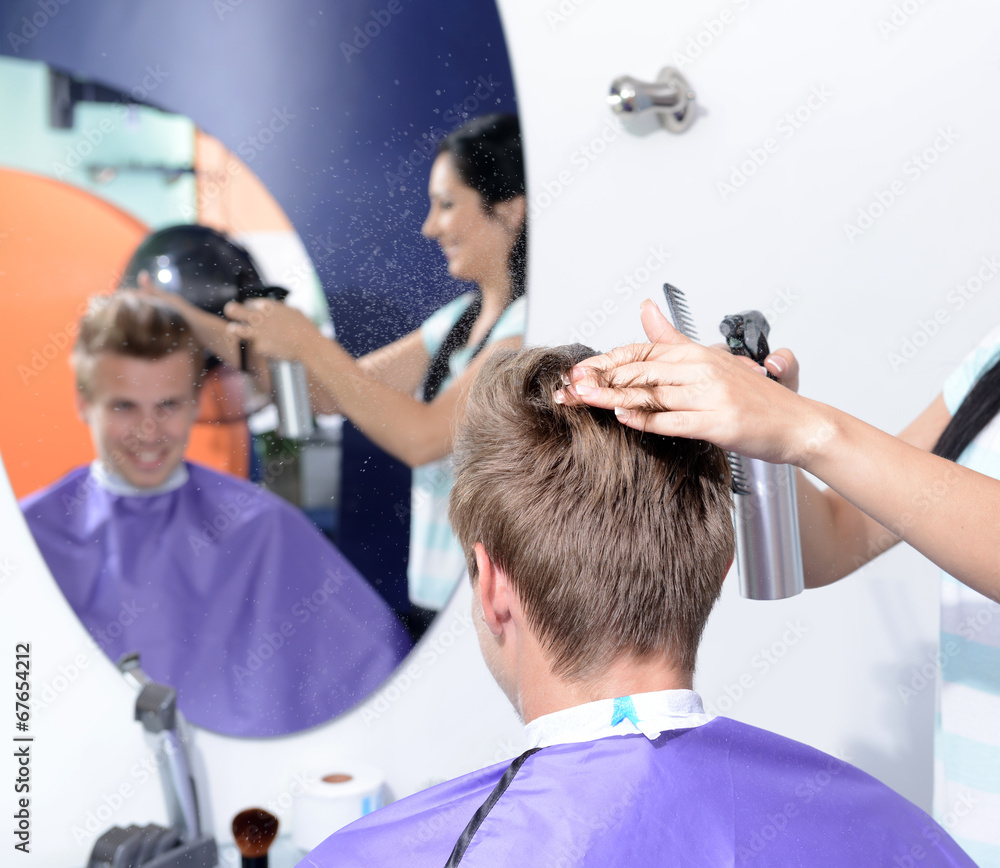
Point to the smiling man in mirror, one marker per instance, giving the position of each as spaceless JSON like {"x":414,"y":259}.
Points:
{"x":596,"y":553}
{"x":228,"y":593}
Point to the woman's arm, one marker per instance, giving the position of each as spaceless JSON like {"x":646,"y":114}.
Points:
{"x":274,"y":330}
{"x":945,"y":511}
{"x":837,"y":537}
{"x":400,"y":365}
{"x":375,"y":393}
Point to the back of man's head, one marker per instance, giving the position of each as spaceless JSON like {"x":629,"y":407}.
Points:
{"x":128,"y":324}
{"x":615,"y":541}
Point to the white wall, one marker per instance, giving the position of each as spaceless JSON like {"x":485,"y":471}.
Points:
{"x":608,"y":203}
{"x":778,"y":244}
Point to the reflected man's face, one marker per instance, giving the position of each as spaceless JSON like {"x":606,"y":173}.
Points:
{"x":140,"y":413}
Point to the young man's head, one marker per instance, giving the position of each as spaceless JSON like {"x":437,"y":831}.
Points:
{"x":138,"y":370}
{"x":611,"y":545}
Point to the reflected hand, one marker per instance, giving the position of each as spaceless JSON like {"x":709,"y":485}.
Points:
{"x":148,"y":289}
{"x":675,"y":387}
{"x":275,"y":329}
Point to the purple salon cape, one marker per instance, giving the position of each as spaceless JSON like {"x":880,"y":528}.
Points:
{"x":720,"y":794}
{"x":230,"y":595}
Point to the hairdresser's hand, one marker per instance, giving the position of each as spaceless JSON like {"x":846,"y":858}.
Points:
{"x":676,"y":387}
{"x":275,"y":329}
{"x":783,"y":364}
{"x":148,"y":289}
{"x":208,"y":328}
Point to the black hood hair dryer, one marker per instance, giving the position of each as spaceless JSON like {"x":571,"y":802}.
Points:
{"x":209,"y":270}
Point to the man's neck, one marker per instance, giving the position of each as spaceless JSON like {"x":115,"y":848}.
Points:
{"x":542,"y":692}
{"x":108,"y":479}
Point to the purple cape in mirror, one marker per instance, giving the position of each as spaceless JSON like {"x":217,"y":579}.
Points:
{"x":229,"y":594}
{"x":721,"y":794}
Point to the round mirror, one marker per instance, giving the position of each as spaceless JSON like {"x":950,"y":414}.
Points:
{"x":337,"y":110}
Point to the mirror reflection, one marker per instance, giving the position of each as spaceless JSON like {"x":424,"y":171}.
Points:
{"x":146,"y":392}
{"x":185,"y":564}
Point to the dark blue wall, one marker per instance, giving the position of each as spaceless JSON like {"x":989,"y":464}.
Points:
{"x":333,"y":104}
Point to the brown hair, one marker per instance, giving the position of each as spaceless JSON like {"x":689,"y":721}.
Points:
{"x":127,"y":324}
{"x":616,"y":541}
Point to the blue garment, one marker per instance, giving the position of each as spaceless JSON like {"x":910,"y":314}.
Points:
{"x":719,"y":794}
{"x":967,"y":736}
{"x":437,"y":561}
{"x":229,"y":594}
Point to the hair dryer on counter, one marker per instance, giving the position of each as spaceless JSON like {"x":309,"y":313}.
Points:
{"x":182,"y":844}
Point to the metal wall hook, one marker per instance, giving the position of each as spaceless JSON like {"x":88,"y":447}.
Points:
{"x":670,"y":97}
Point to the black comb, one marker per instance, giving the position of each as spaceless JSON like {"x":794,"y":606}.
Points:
{"x":680,"y":314}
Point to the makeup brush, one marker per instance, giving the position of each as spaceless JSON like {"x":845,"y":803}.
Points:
{"x":254,"y":830}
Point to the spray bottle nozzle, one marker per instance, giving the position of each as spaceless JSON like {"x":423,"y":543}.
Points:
{"x":746,"y":334}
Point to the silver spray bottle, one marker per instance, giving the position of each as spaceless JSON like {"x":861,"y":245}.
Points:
{"x":768,"y":546}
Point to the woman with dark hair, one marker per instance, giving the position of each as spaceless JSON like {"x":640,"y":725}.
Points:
{"x":408,"y":396}
{"x":934,"y":487}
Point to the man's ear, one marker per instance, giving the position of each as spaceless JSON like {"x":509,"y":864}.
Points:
{"x":82,"y":406}
{"x":494,"y":592}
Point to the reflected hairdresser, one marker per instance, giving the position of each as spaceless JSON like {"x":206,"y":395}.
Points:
{"x":408,"y":396}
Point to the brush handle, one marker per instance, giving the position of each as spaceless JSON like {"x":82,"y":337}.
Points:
{"x":254,"y":861}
